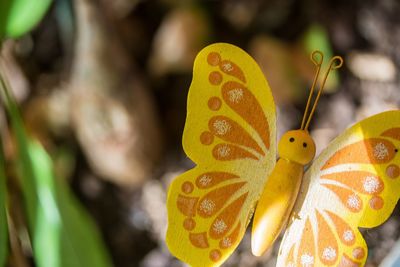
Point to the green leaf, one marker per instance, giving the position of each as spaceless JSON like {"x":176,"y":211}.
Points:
{"x":63,"y":235}
{"x":4,"y":8}
{"x":316,"y":38}
{"x":3,"y":211}
{"x":17,"y":17}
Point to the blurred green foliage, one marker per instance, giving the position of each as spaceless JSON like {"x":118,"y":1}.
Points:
{"x":316,"y":37}
{"x":19,"y":16}
{"x":62,"y":234}
{"x":3,"y":211}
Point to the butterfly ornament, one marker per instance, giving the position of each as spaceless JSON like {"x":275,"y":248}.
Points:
{"x":230,"y":134}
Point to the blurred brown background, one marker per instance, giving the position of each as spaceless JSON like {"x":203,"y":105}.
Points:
{"x":103,"y":85}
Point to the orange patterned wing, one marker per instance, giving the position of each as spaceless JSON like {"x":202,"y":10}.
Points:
{"x":230,"y":134}
{"x":353,"y":183}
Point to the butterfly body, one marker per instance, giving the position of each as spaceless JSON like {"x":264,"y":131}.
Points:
{"x":230,"y":135}
{"x":296,"y":149}
{"x":275,"y":204}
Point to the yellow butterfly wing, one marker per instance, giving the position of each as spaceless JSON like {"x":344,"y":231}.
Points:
{"x":230,"y":134}
{"x":355,"y":182}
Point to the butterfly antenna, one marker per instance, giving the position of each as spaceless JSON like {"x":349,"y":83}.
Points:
{"x":318,"y":63}
{"x":335,"y":63}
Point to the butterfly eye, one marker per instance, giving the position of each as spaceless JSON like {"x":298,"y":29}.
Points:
{"x":304,"y":144}
{"x":396,"y":150}
{"x":291,"y":139}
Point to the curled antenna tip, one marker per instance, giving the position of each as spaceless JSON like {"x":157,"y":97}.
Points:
{"x":317,"y":57}
{"x":336,"y":62}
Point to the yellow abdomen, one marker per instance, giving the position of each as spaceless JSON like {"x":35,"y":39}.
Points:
{"x":275,"y":204}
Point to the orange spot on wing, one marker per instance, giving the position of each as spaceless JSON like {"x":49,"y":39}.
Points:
{"x":187,"y":205}
{"x":327,"y":245}
{"x":345,"y":261}
{"x":212,"y":202}
{"x":231,"y":239}
{"x":215,"y":255}
{"x":392,"y":133}
{"x":187,"y":187}
{"x":199,"y":240}
{"x":306,"y":253}
{"x":344,"y":231}
{"x":210,"y":179}
{"x":350,"y":199}
{"x":213,"y":58}
{"x":393,"y":171}
{"x":244,"y":103}
{"x":215,"y":78}
{"x":373,"y":150}
{"x":360,"y":181}
{"x":214,"y":103}
{"x":206,"y":138}
{"x":231,"y":152}
{"x":359,"y":253}
{"x":232,"y":69}
{"x":376,"y":203}
{"x":229,"y":130}
{"x":189,"y":224}
{"x":225,"y":220}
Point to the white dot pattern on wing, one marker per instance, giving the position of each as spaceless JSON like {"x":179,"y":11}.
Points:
{"x":205,"y":180}
{"x":219,"y":226}
{"x":329,"y":253}
{"x":221,"y":127}
{"x":207,"y":206}
{"x":227,"y":67}
{"x":306,"y":260}
{"x":223,"y":151}
{"x":348,"y":235}
{"x":353,"y":202}
{"x":380,"y":151}
{"x":227,"y":242}
{"x":371,"y":184}
{"x":235,"y":95}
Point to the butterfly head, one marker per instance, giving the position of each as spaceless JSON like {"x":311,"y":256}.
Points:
{"x":297,"y":146}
